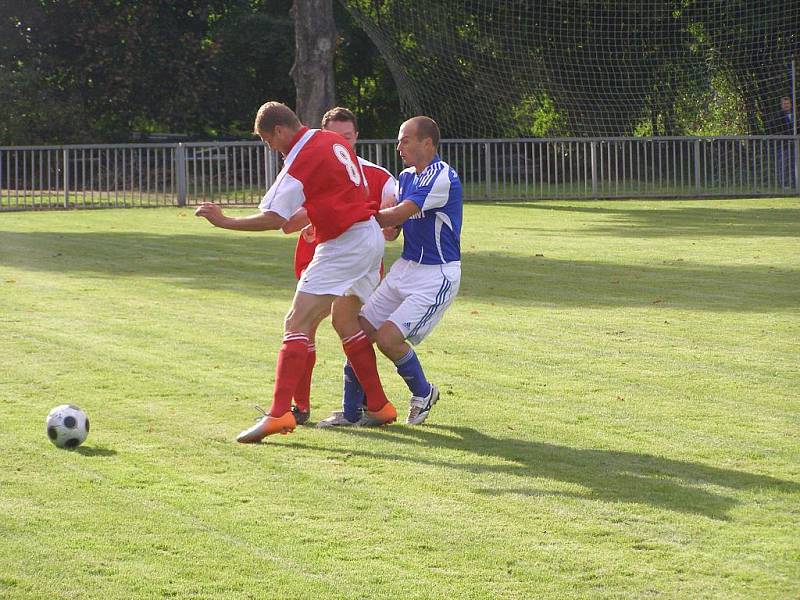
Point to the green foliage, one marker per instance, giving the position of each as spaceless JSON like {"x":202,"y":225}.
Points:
{"x":755,"y":53}
{"x":108,"y":70}
{"x":99,"y":71}
{"x":82,"y":71}
{"x":611,"y":68}
{"x":618,"y":415}
{"x":254,"y":52}
{"x":536,"y":116}
{"x":363,"y":81}
{"x":715,"y":110}
{"x":114,"y":62}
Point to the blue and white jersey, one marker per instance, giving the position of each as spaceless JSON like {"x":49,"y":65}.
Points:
{"x":433,"y":235}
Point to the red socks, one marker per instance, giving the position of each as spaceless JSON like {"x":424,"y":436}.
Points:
{"x":302,"y":393}
{"x":361,"y":354}
{"x":292,"y":359}
{"x":296,"y":361}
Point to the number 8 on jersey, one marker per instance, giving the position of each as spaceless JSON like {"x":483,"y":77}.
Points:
{"x":343,"y":156}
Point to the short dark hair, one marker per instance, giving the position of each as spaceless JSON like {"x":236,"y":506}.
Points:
{"x":340,"y":113}
{"x":427,"y":128}
{"x":272,"y":114}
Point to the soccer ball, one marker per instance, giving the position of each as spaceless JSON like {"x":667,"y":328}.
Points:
{"x":67,"y":426}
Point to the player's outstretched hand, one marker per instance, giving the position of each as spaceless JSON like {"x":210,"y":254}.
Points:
{"x":210,"y":211}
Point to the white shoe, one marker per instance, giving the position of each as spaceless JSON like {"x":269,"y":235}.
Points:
{"x":337,"y":419}
{"x":420,"y":408}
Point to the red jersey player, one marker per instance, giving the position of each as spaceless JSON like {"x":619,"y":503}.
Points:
{"x":381,"y":186}
{"x":380,"y":182}
{"x":381,"y":194}
{"x":322,"y":175}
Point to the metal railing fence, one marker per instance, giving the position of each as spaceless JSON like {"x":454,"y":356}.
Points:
{"x":238,"y":173}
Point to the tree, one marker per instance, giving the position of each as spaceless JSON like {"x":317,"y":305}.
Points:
{"x":117,"y":66}
{"x":315,"y":44}
{"x":254,"y":50}
{"x":78,"y":71}
{"x":753,"y":45}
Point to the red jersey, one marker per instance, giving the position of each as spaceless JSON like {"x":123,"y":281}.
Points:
{"x":380,"y":182}
{"x":321,"y":173}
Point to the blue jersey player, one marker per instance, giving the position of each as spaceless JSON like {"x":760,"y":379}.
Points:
{"x":424,"y":281}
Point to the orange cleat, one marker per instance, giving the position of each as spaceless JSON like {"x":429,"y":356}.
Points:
{"x":386,"y":415}
{"x":268,"y":425}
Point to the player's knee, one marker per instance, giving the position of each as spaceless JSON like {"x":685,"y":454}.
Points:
{"x":389,"y":339}
{"x":344,"y":316}
{"x":290,"y":324}
{"x":367,"y":328}
{"x":298,"y":320}
{"x":342,"y":323}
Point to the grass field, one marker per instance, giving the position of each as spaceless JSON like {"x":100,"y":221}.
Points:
{"x":620,"y":414}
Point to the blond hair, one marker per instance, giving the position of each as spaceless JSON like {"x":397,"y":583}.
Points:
{"x":272,"y":114}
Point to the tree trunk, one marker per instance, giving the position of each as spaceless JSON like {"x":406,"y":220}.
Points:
{"x":312,"y":72}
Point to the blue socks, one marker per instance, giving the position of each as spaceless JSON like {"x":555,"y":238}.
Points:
{"x":410,"y":370}
{"x":353,"y":395}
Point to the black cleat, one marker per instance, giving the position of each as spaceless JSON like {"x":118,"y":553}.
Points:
{"x":301,"y":416}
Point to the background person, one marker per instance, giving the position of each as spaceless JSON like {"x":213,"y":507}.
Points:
{"x":784,"y":163}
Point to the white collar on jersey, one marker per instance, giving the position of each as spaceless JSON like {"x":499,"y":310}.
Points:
{"x":298,"y":146}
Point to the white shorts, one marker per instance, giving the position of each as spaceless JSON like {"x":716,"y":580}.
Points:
{"x":347,"y":265}
{"x":413,"y":297}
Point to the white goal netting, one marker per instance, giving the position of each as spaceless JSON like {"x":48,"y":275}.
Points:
{"x":502,"y":68}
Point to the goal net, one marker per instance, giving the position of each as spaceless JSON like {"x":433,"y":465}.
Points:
{"x":535,"y":68}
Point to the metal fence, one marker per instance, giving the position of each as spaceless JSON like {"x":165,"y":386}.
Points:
{"x":238,"y":173}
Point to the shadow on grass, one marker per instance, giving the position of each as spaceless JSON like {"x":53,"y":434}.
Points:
{"x":261,"y":263}
{"x":677,"y":219}
{"x":610,"y":476}
{"x":95,"y":451}
{"x":675,"y":283}
{"x":244,"y":263}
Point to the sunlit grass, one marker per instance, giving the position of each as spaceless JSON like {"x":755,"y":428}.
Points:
{"x":619,"y":414}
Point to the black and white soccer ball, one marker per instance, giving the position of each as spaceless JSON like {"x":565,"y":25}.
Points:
{"x":67,"y":426}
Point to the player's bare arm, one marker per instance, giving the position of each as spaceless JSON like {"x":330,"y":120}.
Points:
{"x":257,"y":222}
{"x":389,"y":200}
{"x":296,"y":222}
{"x":396,"y":215}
